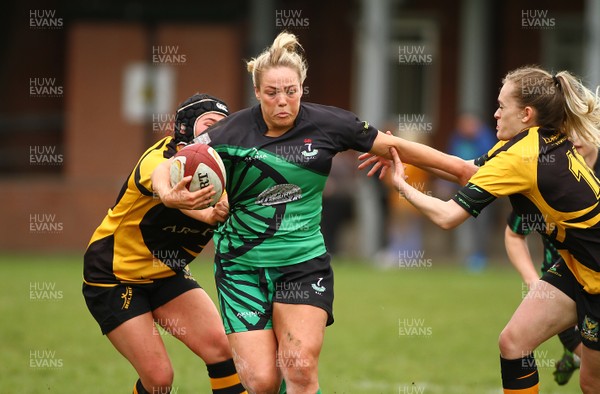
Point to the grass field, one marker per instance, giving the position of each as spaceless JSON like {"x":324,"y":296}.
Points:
{"x":427,"y":330}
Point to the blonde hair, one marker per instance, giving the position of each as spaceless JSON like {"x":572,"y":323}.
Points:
{"x":561,"y":101}
{"x":284,"y":52}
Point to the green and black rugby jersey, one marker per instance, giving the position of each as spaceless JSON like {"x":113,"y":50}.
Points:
{"x":549,"y":184}
{"x":275,"y":184}
{"x":140,"y":239}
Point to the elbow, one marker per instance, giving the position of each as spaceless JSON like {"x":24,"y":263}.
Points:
{"x":469,"y":169}
{"x":447,"y":222}
{"x":447,"y":225}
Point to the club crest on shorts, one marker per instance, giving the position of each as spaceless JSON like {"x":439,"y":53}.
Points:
{"x":318,"y":288}
{"x":589,"y":329}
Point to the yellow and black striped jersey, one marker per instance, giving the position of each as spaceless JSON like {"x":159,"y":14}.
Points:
{"x":140,"y":239}
{"x":549,"y":184}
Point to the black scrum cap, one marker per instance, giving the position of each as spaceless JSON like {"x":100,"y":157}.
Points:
{"x":190,"y":110}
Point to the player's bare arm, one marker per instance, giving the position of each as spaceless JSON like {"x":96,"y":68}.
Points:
{"x":518,"y":254}
{"x":178,"y":196}
{"x":446,"y":214}
{"x":446,"y":166}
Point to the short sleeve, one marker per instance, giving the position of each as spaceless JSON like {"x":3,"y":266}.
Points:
{"x":517,"y":224}
{"x":473,"y":199}
{"x":143,"y":171}
{"x":361,"y":135}
{"x":344,"y":128}
{"x":506,"y":173}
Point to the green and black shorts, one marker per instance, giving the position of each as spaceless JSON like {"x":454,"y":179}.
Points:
{"x":247,"y":293}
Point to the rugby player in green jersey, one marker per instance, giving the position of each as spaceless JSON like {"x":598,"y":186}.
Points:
{"x":272,"y":269}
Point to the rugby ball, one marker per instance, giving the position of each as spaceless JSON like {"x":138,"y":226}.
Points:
{"x":204,"y":164}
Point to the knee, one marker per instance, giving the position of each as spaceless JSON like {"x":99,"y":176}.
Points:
{"x":260,"y":382}
{"x":158,"y":380}
{"x":213,"y":347}
{"x":507,"y":343}
{"x":219,"y":341}
{"x":299,"y":371}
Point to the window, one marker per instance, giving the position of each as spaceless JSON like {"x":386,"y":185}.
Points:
{"x":414,"y":75}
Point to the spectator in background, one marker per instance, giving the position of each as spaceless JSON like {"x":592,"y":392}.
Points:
{"x":338,"y":199}
{"x":471,"y":139}
{"x":403,"y":223}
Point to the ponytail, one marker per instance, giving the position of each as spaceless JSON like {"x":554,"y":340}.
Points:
{"x":582,"y":112}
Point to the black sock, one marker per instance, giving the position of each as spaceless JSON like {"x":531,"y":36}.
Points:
{"x":570,"y":338}
{"x":139,"y":388}
{"x":520,"y":374}
{"x":224,"y":378}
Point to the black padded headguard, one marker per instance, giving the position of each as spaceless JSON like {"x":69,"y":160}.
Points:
{"x":190,"y":110}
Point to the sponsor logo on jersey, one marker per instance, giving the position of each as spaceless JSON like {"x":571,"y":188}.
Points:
{"x":255,"y":154}
{"x":185,"y":230}
{"x":279,"y":194}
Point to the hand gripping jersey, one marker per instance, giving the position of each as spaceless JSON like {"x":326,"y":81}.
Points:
{"x":275,"y":184}
{"x":552,"y":188}
{"x":140,"y":239}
